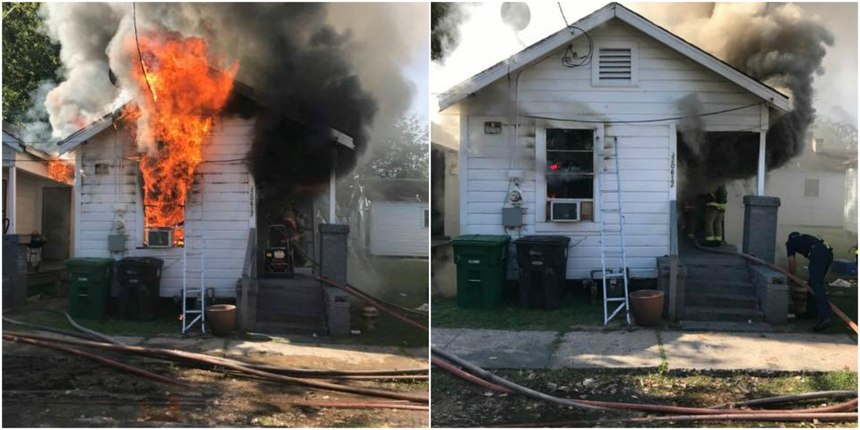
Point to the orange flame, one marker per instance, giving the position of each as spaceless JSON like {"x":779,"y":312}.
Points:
{"x":187,"y":88}
{"x":60,"y":171}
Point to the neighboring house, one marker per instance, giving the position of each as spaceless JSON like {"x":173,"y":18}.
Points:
{"x":445,"y":197}
{"x":813,"y":188}
{"x":540,"y":124}
{"x":37,"y":195}
{"x":396,"y":219}
{"x":222,"y":209}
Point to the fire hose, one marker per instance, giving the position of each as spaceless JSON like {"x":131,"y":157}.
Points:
{"x":229,"y":364}
{"x":356,"y":293}
{"x":359,"y":293}
{"x":500,"y":384}
{"x":496,"y":383}
{"x":416,"y":373}
{"x":838,"y":312}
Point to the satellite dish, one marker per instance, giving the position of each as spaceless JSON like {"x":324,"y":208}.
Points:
{"x":516,"y":15}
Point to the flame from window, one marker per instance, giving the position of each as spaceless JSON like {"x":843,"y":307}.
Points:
{"x":184,"y":89}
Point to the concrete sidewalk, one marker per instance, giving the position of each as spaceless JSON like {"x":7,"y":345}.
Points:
{"x":641,"y":348}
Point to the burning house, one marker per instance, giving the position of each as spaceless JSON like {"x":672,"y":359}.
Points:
{"x":193,"y":173}
{"x":616,"y":116}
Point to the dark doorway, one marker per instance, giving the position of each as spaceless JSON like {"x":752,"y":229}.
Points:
{"x":56,"y":222}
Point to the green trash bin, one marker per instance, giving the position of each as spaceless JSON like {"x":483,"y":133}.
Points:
{"x":89,"y":286}
{"x":481,"y":264}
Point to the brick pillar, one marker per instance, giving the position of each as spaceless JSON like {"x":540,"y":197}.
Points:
{"x":760,"y":216}
{"x":333,"y":256}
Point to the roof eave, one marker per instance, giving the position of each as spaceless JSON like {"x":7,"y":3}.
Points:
{"x":555,"y":41}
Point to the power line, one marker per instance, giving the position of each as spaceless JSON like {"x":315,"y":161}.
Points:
{"x":641,"y":121}
{"x":568,"y":59}
{"x":139,"y":54}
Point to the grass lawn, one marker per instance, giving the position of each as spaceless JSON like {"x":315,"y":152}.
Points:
{"x":167,"y":321}
{"x":576,"y":312}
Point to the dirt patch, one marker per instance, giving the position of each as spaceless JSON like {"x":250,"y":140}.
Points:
{"x":43,"y":389}
{"x":460,"y":404}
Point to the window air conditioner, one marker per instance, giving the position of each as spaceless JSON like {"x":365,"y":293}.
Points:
{"x":159,"y":237}
{"x":564,"y":210}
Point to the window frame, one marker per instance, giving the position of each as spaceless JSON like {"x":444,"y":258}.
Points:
{"x":807,"y":188}
{"x":541,"y":224}
{"x":634,"y":64}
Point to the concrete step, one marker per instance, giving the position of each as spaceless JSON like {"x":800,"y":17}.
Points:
{"x":710,"y":313}
{"x":721,"y":300}
{"x":724,"y":326}
{"x":723,"y":260}
{"x":718,"y":286}
{"x":726,"y":273}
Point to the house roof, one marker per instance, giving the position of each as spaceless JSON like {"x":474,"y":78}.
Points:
{"x":396,"y":190}
{"x":551,"y":43}
{"x":10,"y":137}
{"x":77,"y":138}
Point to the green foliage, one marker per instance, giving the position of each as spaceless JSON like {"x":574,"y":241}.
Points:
{"x":403,"y":155}
{"x":29,"y":57}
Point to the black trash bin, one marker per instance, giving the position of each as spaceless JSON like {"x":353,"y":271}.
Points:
{"x":139,"y":281}
{"x":542,"y":263}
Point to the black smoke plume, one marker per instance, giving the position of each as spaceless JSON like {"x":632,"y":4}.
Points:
{"x":776,"y":44}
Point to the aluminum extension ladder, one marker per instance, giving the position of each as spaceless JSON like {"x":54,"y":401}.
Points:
{"x":612,"y":275}
{"x":191,"y":316}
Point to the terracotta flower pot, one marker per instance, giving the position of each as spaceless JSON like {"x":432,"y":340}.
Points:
{"x":221,"y":319}
{"x":646,"y":307}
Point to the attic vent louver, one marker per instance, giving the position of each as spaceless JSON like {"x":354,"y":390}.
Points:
{"x":616,"y":64}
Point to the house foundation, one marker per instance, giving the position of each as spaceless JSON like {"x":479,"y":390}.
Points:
{"x":760,"y":218}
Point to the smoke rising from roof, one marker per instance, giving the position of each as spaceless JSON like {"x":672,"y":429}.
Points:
{"x":329,"y":65}
{"x":778,"y":44}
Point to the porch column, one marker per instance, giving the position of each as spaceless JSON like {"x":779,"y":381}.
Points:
{"x":332,"y":197}
{"x":11,"y":197}
{"x":761,"y":162}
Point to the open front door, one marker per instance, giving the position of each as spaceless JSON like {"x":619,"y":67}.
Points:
{"x":56,"y":222}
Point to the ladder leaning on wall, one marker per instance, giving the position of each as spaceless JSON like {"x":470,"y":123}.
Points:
{"x":191,"y":316}
{"x":612,"y":275}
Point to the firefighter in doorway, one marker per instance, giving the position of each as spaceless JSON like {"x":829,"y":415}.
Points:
{"x":820,"y":256}
{"x":715,"y":210}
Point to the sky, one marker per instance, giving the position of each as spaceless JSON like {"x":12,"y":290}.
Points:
{"x":486,"y":40}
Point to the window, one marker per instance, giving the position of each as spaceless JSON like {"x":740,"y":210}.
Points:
{"x":569,"y":174}
{"x":615,"y":64}
{"x":426,"y":218}
{"x":810,"y":188}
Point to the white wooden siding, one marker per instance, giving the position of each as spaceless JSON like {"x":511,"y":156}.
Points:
{"x":548,"y":90}
{"x":397,"y":229}
{"x":220,"y":208}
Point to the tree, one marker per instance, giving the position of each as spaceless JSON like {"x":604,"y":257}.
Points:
{"x":29,"y":58}
{"x":402,"y":156}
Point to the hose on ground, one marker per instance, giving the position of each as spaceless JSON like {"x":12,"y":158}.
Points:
{"x":96,"y":358}
{"x":361,"y":292}
{"x":362,"y":405}
{"x":592,"y":404}
{"x":45,"y":328}
{"x":792,"y":398}
{"x":379,"y":305}
{"x":832,"y":417}
{"x":230,"y":364}
{"x":851,"y":324}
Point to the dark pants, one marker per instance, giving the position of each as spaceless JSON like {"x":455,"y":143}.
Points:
{"x":820,"y":259}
